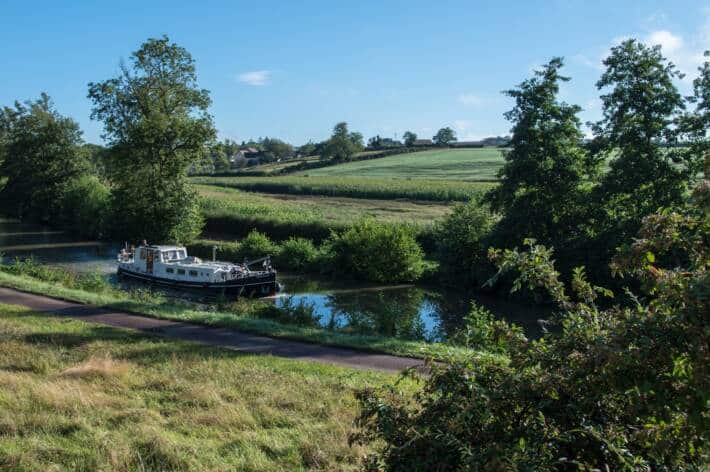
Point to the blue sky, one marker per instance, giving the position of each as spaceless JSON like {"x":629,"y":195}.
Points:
{"x":294,"y":69}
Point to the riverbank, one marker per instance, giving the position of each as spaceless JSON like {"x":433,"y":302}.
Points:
{"x":177,"y":311}
{"x":85,"y":397}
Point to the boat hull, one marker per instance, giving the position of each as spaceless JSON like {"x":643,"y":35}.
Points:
{"x":254,"y":286}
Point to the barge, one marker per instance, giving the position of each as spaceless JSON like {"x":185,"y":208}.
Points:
{"x":171,"y":266}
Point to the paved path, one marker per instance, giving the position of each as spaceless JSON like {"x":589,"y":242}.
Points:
{"x":222,"y":337}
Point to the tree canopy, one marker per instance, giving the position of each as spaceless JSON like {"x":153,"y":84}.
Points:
{"x":540,"y":183}
{"x":343,"y":144}
{"x":39,"y":157}
{"x":156,"y":121}
{"x":444,"y":137}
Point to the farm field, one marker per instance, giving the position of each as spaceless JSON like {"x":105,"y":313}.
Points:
{"x":354,"y":187}
{"x":339,"y":210}
{"x":78,"y":396}
{"x":478,"y":164}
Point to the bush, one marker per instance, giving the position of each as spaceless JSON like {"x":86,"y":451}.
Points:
{"x":297,"y":254}
{"x":257,"y":245}
{"x":377,"y":252}
{"x":614,"y":389}
{"x":84,"y":206}
{"x":462,"y":241}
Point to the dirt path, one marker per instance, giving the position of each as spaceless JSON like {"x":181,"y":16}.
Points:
{"x":222,"y":337}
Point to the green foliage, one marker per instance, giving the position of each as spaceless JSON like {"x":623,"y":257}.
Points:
{"x":541,"y":193}
{"x":485,"y":332}
{"x":640,"y":110}
{"x":297,"y":254}
{"x":354,"y":187}
{"x":444,"y":137}
{"x":342,"y":145}
{"x":257,"y":245}
{"x":155,"y":118}
{"x":461,"y":244}
{"x":39,"y":157}
{"x":85,"y":205}
{"x":380,"y":253}
{"x":409,"y":138}
{"x":607,"y":389}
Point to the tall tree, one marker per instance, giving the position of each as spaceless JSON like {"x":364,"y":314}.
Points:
{"x":409,"y":138}
{"x":156,"y":120}
{"x":540,"y":184}
{"x":39,"y":157}
{"x":640,"y":107}
{"x":343,"y":144}
{"x":444,"y":137}
{"x":694,"y":126}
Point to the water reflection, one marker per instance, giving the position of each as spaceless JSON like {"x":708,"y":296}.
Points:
{"x":404,"y":311}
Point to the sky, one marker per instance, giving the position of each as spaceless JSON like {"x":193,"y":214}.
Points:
{"x":292,"y":69}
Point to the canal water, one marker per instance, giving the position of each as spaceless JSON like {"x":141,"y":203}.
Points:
{"x":413,"y":312}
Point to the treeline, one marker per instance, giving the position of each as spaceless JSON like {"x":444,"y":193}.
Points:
{"x":619,"y":380}
{"x":585,"y":199}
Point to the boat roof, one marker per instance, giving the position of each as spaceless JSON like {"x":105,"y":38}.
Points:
{"x":165,"y":247}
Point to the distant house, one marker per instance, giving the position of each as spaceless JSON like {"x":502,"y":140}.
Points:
{"x":247,"y":156}
{"x":423,"y":142}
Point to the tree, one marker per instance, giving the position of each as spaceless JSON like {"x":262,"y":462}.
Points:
{"x":275,"y":149}
{"x":374,"y":142}
{"x":342,"y":145}
{"x":308,"y":149}
{"x":607,"y":389}
{"x":39,"y":157}
{"x":409,"y":138}
{"x":156,"y":121}
{"x":444,"y":137}
{"x":639,"y":111}
{"x":693,"y":126}
{"x":540,"y":193}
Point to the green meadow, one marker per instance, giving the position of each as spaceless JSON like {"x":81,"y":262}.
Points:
{"x":477,"y":164}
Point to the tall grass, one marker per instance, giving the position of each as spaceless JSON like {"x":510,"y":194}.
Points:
{"x":355,"y":187}
{"x":76,"y":396}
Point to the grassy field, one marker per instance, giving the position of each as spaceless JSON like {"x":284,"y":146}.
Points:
{"x":77,"y":396}
{"x":338,"y":210}
{"x":354,"y":187}
{"x":479,"y":164}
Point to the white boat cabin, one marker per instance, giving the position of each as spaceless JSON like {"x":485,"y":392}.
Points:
{"x":173,"y":263}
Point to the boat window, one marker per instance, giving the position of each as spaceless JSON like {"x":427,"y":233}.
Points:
{"x":181,"y":254}
{"x":181,"y":271}
{"x":169,"y":270}
{"x":193,"y":273}
{"x":142,"y":254}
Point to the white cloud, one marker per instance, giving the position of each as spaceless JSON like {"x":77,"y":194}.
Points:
{"x":256,"y":78}
{"x":669,"y":42}
{"x":469,"y":99}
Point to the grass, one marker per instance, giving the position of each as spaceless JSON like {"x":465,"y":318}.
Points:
{"x":78,"y":396}
{"x":354,"y":187}
{"x":336,"y":210}
{"x":479,"y":164}
{"x":231,"y":213}
{"x":158,"y":307}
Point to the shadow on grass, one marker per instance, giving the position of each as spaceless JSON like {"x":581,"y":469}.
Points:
{"x":141,"y":347}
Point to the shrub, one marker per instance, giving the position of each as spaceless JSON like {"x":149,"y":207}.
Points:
{"x":257,"y":245}
{"x":461,"y":240}
{"x":297,"y":254}
{"x":609,"y":389}
{"x":377,"y":252}
{"x":84,"y":206}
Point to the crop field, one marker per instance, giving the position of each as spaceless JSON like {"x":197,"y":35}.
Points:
{"x":78,"y":396}
{"x":478,"y":164}
{"x":233,"y":213}
{"x":354,"y":187}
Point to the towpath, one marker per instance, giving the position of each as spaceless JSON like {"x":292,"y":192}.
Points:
{"x":221,"y":337}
